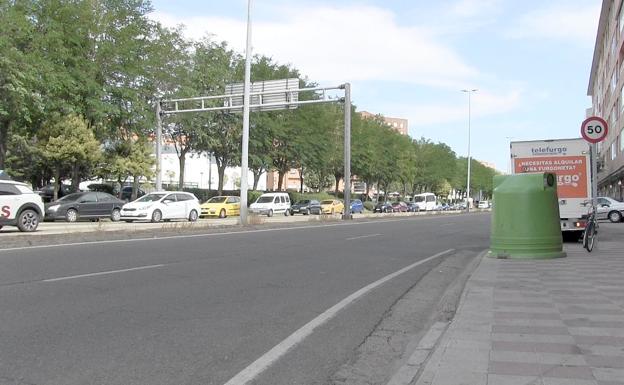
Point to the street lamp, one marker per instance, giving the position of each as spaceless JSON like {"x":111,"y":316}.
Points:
{"x":469,"y":92}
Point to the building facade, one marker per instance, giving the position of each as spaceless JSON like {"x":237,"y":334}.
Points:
{"x":397,"y":124}
{"x":606,"y":88}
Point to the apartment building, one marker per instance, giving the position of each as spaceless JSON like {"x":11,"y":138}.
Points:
{"x":606,"y":87}
{"x":398,"y":124}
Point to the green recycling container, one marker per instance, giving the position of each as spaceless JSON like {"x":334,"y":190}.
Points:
{"x":525,"y":217}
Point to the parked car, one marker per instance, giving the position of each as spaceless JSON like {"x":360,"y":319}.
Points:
{"x":271,"y":203}
{"x":305,"y":207}
{"x":47,"y":192}
{"x":221,"y":206}
{"x":412,"y":207}
{"x":483,"y":205}
{"x":399,"y":207}
{"x":84,"y":205}
{"x":332,"y":206}
{"x":126,"y":193}
{"x":357,"y":207}
{"x":383,"y":207}
{"x":609,"y":208}
{"x":164,"y":205}
{"x":19,"y":206}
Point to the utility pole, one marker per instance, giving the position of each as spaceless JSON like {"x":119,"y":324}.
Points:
{"x":469,"y":92}
{"x":245,"y":143}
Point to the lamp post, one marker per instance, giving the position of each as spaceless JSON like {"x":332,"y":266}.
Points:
{"x":469,"y":92}
{"x":245,"y":136}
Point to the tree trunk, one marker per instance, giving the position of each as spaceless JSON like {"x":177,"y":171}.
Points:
{"x":57,"y":181}
{"x":221,"y":173}
{"x":4,"y":136}
{"x":338,"y":178}
{"x":301,"y":180}
{"x":256,"y":175}
{"x":135,"y":188}
{"x":378,"y":186}
{"x":75,"y":177}
{"x":280,"y":179}
{"x":367,"y":190}
{"x":182,"y":161}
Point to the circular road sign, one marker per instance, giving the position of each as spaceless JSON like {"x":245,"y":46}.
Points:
{"x":594,"y":129}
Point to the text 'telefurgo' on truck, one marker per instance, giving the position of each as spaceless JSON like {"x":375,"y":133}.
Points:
{"x":569,"y":159}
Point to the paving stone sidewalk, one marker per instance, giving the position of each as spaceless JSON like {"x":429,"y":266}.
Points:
{"x":546,"y":322}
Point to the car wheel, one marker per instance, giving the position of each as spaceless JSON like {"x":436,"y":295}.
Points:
{"x":156,"y":216}
{"x":615,"y":216}
{"x":193,"y":216}
{"x":128,"y":220}
{"x":71,"y":215}
{"x":28,"y":221}
{"x":270,"y":213}
{"x":222,"y":213}
{"x":116,"y":215}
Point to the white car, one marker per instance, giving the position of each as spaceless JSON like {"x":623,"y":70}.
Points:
{"x":20,"y":206}
{"x":271,"y":203}
{"x":165,"y":205}
{"x":609,"y":208}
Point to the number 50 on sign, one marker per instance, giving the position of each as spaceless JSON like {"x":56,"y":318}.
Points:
{"x":594,"y":129}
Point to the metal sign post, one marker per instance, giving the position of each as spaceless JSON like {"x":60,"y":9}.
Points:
{"x":158,"y":146}
{"x":594,"y":130}
{"x":347,"y":152}
{"x":245,"y":139}
{"x":269,"y":98}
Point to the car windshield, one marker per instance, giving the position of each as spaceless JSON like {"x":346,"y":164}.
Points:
{"x":327,"y":202}
{"x":303,"y":202}
{"x":265,"y":199}
{"x":419,"y":199}
{"x":70,"y":197}
{"x":151,"y":198}
{"x":216,"y":200}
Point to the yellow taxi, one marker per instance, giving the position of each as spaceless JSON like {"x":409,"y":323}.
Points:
{"x":332,"y":206}
{"x":221,"y":206}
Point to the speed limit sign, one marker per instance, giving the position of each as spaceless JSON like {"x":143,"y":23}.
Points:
{"x":594,"y":129}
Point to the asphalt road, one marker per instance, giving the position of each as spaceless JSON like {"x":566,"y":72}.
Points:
{"x":200,"y":309}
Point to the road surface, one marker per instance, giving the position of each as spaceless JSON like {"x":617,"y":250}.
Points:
{"x":201,"y":309}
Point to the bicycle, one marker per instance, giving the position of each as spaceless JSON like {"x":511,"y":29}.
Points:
{"x":591,"y":231}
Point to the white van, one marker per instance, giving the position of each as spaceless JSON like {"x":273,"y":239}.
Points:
{"x":271,"y":203}
{"x":425,"y":201}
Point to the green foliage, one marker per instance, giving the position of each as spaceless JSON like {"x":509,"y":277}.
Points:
{"x":368,"y":205}
{"x":296,"y":196}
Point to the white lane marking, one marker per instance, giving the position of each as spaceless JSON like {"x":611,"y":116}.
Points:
{"x":155,"y":238}
{"x":269,"y":358}
{"x":102,"y":273}
{"x":363,"y":236}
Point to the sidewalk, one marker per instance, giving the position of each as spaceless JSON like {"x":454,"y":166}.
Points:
{"x":547,"y":322}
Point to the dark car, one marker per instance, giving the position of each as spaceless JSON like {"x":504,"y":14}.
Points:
{"x":305,"y":207}
{"x":47,"y":192}
{"x":383,"y":207}
{"x":84,"y":205}
{"x":412,"y":207}
{"x":126,"y":193}
{"x":399,"y":207}
{"x":357,"y":206}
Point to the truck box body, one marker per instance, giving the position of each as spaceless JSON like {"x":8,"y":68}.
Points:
{"x":569,"y":159}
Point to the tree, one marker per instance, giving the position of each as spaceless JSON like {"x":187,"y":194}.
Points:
{"x":70,"y":142}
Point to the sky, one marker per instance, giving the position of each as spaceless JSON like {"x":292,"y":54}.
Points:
{"x":529,"y":60}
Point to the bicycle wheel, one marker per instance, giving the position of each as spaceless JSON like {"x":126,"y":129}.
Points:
{"x":589,"y":239}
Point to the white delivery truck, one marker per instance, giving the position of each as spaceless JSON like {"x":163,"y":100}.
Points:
{"x":569,"y":159}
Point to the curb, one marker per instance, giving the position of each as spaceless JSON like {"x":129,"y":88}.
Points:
{"x":410,"y":372}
